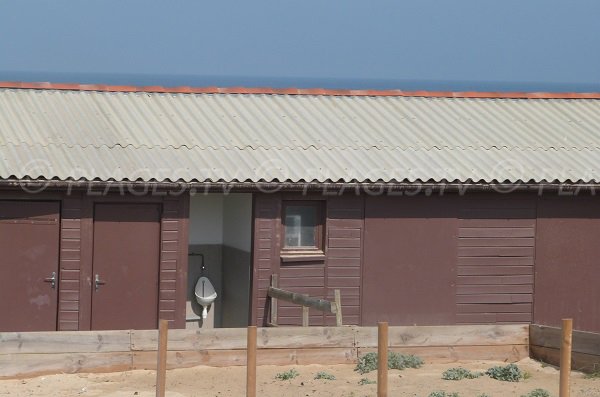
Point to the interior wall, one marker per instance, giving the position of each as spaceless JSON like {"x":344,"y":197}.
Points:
{"x":237,"y":240}
{"x":206,"y":238}
{"x":220,"y":229}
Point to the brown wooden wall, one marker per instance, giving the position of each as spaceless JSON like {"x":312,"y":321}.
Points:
{"x":410,"y":260}
{"x":449,"y":260}
{"x":339,"y":268}
{"x":76,"y":246}
{"x":70,"y":264}
{"x":431,"y":260}
{"x":567,"y":273}
{"x":496,"y":249}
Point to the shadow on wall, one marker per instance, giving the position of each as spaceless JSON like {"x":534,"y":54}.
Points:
{"x":220,"y":232}
{"x":228,"y":269}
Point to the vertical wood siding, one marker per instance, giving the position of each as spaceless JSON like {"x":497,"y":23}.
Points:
{"x":75,"y":275}
{"x":173,"y":256}
{"x":70,"y":264}
{"x":345,"y":231}
{"x":495,"y":265}
{"x":266,"y":251}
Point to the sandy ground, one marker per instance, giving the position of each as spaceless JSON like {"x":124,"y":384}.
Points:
{"x":230,"y":381}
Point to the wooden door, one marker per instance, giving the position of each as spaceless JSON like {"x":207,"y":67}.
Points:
{"x":29,"y":244}
{"x":125,"y":266}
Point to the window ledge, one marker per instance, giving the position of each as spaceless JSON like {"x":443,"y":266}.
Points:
{"x":302,"y":256}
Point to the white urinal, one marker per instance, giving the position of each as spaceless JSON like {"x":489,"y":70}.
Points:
{"x":205,"y":294}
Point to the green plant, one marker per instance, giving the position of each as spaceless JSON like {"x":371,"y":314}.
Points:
{"x":368,"y":362}
{"x":287,"y":375}
{"x":537,"y":393}
{"x":593,"y":375}
{"x":460,"y":373}
{"x":526,"y":375}
{"x":365,"y":381}
{"x":324,"y":375}
{"x":483,"y":395}
{"x":507,"y":373}
{"x":441,"y":393}
{"x":403,"y":361}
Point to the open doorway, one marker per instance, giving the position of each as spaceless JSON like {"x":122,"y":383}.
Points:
{"x":220,"y":250}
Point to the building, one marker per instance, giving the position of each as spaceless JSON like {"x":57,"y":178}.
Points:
{"x":423,"y":208}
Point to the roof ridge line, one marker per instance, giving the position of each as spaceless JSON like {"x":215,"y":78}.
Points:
{"x":296,"y":91}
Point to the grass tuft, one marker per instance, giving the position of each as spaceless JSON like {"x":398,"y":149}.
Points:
{"x":460,"y":373}
{"x":368,"y":362}
{"x":324,"y":375}
{"x":537,"y":393}
{"x":441,"y":393}
{"x":507,"y":373}
{"x":365,"y":381}
{"x":287,"y":375}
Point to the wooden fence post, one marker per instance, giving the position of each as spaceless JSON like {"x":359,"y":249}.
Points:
{"x":338,"y":304}
{"x":305,"y":316}
{"x":382,"y":359}
{"x":161,"y":365}
{"x":251,"y":362}
{"x":565,"y":357}
{"x":274,"y":284}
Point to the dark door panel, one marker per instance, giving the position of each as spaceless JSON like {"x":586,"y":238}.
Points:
{"x":126,"y":263}
{"x":29,"y":244}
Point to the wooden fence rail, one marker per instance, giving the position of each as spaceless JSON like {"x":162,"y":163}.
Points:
{"x":35,"y":353}
{"x":546,"y":343}
{"x":307,"y":302}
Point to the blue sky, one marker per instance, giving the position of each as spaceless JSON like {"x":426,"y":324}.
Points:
{"x":419,"y":44}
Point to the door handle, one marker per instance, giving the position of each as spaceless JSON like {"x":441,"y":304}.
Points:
{"x":51,"y":280}
{"x":98,"y":282}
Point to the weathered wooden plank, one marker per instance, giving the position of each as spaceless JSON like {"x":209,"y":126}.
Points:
{"x":471,"y":251}
{"x":350,"y":271}
{"x":300,"y":282}
{"x":301,"y":299}
{"x":495,"y":280}
{"x":64,"y":342}
{"x":450,"y":354}
{"x":183,"y":339}
{"x":493,"y":270}
{"x":494,"y":318}
{"x":513,"y":232}
{"x":344,"y":242}
{"x":235,"y":338}
{"x":492,"y":223}
{"x":583,"y":342}
{"x":495,"y":298}
{"x":579,"y":361}
{"x":499,"y":261}
{"x":297,"y":311}
{"x":494,"y":308}
{"x":219,"y":358}
{"x":464,"y":335}
{"x":497,"y":242}
{"x":494,"y":289}
{"x":289,"y":271}
{"x":22,"y":365}
{"x":344,"y":233}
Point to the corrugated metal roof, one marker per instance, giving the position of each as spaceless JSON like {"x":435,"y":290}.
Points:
{"x":272,"y":137}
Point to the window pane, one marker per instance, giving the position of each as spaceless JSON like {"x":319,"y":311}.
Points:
{"x":300,"y":226}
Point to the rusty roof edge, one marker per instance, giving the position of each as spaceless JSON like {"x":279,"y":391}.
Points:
{"x":296,"y":91}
